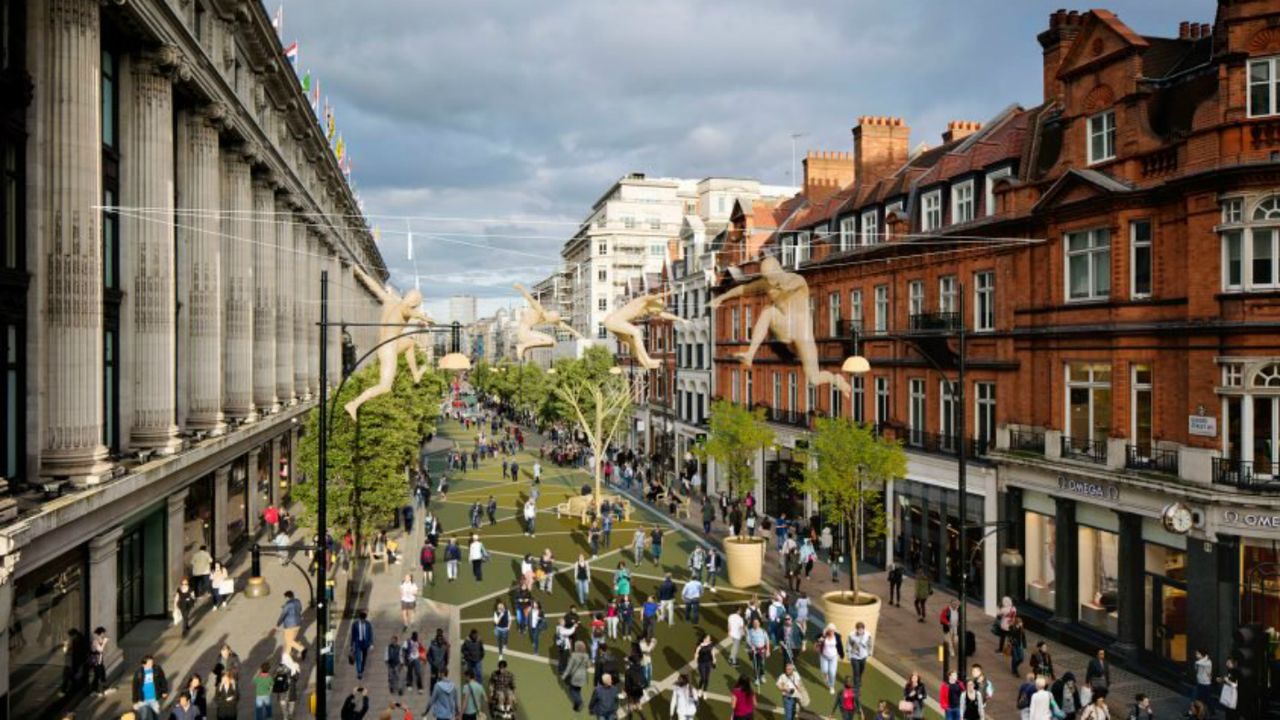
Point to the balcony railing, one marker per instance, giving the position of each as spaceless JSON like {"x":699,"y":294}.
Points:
{"x":1151,"y":459}
{"x":849,"y":328}
{"x":795,"y":418}
{"x":1024,"y":440}
{"x":1094,"y":451}
{"x":934,"y":322}
{"x":1244,"y":474}
{"x":942,"y":444}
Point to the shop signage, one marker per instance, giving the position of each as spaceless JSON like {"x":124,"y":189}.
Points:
{"x":1088,"y":488}
{"x":1269,"y":520}
{"x":1202,"y":425}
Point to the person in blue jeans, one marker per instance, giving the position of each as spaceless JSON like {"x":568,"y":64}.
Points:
{"x":780,"y":530}
{"x":582,"y":578}
{"x":361,"y":642}
{"x":501,"y":626}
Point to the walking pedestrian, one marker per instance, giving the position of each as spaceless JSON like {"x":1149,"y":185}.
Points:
{"x":150,"y":687}
{"x":412,"y":655}
{"x":452,"y":555}
{"x":621,"y":581}
{"x":744,"y":699}
{"x":759,"y":647}
{"x":290,"y":621}
{"x":1016,"y":646}
{"x":949,"y":696}
{"x":794,"y":694}
{"x":491,"y":511}
{"x":1004,"y":621}
{"x":502,"y":693}
{"x":1098,"y":674}
{"x":438,"y":656}
{"x":501,"y":627}
{"x":1042,"y":662}
{"x":923,"y":590}
{"x":392,"y":657}
{"x":1141,"y":709}
{"x":219,"y":586}
{"x":846,"y":701}
{"x":830,"y":652}
{"x":655,"y":545}
{"x":582,"y":578}
{"x":704,"y":655}
{"x":611,"y":618}
{"x":697,"y":559}
{"x":443,"y":704}
{"x":262,"y":684}
{"x":606,"y":524}
{"x":715,"y":565}
{"x":184,"y":603}
{"x":1203,"y":668}
{"x":474,"y":699}
{"x":896,"y":576}
{"x":973,"y":702}
{"x":226,"y":698}
{"x":574,"y":674}
{"x":537,"y":622}
{"x":473,"y":653}
{"x":634,"y":681}
{"x":201,"y":566}
{"x":478,"y":555}
{"x":97,"y":665}
{"x":860,"y":648}
{"x":692,"y":596}
{"x":914,"y":695}
{"x":604,"y":699}
{"x":1042,"y":703}
{"x":184,"y":709}
{"x":361,"y":642}
{"x":684,"y":699}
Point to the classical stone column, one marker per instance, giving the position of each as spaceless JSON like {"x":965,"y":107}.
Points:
{"x":264,"y":297}
{"x":277,"y":452}
{"x":8,"y":562}
{"x":284,"y":303}
{"x":175,"y":552}
{"x":334,"y":338}
{"x":221,"y":488}
{"x":66,"y":188}
{"x":201,"y":264}
{"x":238,"y":287}
{"x":146,"y":172}
{"x":301,"y":281}
{"x":251,"y":492}
{"x":103,"y":570}
{"x":316,"y":259}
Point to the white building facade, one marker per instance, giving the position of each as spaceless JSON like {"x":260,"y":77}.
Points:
{"x":169,"y":204}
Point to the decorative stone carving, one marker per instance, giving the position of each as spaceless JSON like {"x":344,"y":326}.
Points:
{"x":1100,"y":98}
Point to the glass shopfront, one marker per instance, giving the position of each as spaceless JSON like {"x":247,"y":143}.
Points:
{"x":49,"y":611}
{"x":198,"y":517}
{"x":262,"y":476}
{"x":1098,"y":567}
{"x":1165,"y":587}
{"x":285,"y":471}
{"x":238,"y":503}
{"x":1041,"y":548}
{"x":781,"y":474}
{"x":140,"y":571}
{"x":928,"y":524}
{"x":1260,"y":582}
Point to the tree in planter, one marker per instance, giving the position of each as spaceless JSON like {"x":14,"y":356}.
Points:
{"x":853,"y":464}
{"x":366,"y":481}
{"x":736,"y":436}
{"x":600,"y":409}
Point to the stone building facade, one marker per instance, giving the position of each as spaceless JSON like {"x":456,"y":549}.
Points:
{"x":1111,"y":254}
{"x":168,"y":205}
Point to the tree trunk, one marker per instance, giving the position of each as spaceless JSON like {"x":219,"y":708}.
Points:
{"x":853,"y":558}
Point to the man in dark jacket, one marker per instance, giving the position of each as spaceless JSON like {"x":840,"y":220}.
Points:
{"x":356,"y":705}
{"x":473,"y":654}
{"x":290,"y":621}
{"x":361,"y":642}
{"x":150,"y":687}
{"x":1098,"y":674}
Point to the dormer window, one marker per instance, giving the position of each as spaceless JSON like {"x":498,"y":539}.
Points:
{"x":1102,"y":137}
{"x":1264,"y":87}
{"x":870,"y":228}
{"x":962,"y":202}
{"x":931,"y":211}
{"x":848,"y":229}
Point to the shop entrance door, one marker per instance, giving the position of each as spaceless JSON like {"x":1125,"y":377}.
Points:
{"x":1166,"y":634}
{"x":129,"y":574}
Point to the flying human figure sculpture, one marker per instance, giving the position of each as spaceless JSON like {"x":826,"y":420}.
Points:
{"x":526,"y":337}
{"x":399,"y":316}
{"x":787,"y":317}
{"x":620,"y":322}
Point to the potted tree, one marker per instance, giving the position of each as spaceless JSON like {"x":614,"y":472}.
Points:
{"x":852,"y":464}
{"x":736,"y":436}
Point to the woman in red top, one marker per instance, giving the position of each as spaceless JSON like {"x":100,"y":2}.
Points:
{"x":744,"y":699}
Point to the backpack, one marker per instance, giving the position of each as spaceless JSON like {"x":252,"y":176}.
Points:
{"x":1024,"y":700}
{"x":848,"y":699}
{"x":428,"y":554}
{"x":945,"y":618}
{"x":280,"y":682}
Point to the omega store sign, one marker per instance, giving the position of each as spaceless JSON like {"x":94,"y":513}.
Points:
{"x":1251,"y":522}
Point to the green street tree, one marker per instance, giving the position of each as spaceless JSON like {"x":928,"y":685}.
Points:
{"x":736,"y":436}
{"x":592,"y":368}
{"x":368,"y":464}
{"x":852,"y":465}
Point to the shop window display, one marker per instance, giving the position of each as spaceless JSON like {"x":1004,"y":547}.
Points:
{"x":1099,"y":562}
{"x":47,"y":624}
{"x":1041,"y":531}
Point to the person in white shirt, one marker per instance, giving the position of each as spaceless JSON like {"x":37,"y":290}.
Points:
{"x":684,"y":699}
{"x":829,"y":653}
{"x":408,"y":600}
{"x":537,"y":472}
{"x":692,"y":596}
{"x":1041,"y":702}
{"x":737,"y":630}
{"x":859,"y":651}
{"x":530,"y":514}
{"x":477,"y":554}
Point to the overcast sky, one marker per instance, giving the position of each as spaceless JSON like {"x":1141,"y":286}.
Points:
{"x":518,"y":114}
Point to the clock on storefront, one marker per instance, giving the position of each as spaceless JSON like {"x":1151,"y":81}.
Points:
{"x":1177,"y":518}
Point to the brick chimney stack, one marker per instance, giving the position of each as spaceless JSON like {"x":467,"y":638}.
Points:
{"x":960,"y":129}
{"x":880,"y":146}
{"x":1064,"y":27}
{"x":825,"y":173}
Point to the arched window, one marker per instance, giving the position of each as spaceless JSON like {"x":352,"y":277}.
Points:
{"x":1267,"y":209}
{"x":1267,"y":377}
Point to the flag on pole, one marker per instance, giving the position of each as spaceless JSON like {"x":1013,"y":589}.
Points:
{"x":315,"y":98}
{"x":328,"y":112}
{"x":277,"y":20}
{"x":291,"y":53}
{"x":339,"y":149}
{"x":306,"y":82}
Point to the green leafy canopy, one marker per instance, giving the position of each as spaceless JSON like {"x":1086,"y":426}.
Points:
{"x":736,"y":436}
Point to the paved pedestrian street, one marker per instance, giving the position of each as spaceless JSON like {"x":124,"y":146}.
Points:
{"x":466,"y":604}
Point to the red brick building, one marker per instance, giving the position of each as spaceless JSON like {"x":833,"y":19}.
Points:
{"x":1113,"y":257}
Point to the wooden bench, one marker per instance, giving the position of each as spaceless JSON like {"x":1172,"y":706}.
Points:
{"x":582,"y":507}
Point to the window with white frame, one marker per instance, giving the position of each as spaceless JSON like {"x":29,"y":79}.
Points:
{"x":1264,"y":87}
{"x":602,"y":303}
{"x":734,"y":389}
{"x":884,"y":411}
{"x":602,"y":247}
{"x":984,"y":301}
{"x":601,"y":333}
{"x":746,"y":322}
{"x":948,"y":294}
{"x":984,"y":414}
{"x":962,"y":209}
{"x":655,"y":223}
{"x":1251,"y":432}
{"x":1102,"y":136}
{"x":915,"y":297}
{"x":948,"y":417}
{"x":628,"y":222}
{"x":855,"y":309}
{"x":602,"y":275}
{"x":833,"y":314}
{"x":657,"y":249}
{"x":857,"y":398}
{"x":788,"y":251}
{"x":1088,"y":401}
{"x":793,"y":397}
{"x":1140,"y":402}
{"x":989,"y":202}
{"x":882,"y":308}
{"x":835,"y":400}
{"x":848,"y":233}
{"x":777,"y":391}
{"x":803,"y":247}
{"x":733,"y":324}
{"x":870,"y":228}
{"x":1251,"y":251}
{"x":1140,"y":258}
{"x":1088,"y":264}
{"x":915,"y":411}
{"x":931,"y":211}
{"x":811,"y":399}
{"x":749,"y":396}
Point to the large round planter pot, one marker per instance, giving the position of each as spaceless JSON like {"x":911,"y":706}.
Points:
{"x":845,"y":613}
{"x":745,"y":560}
